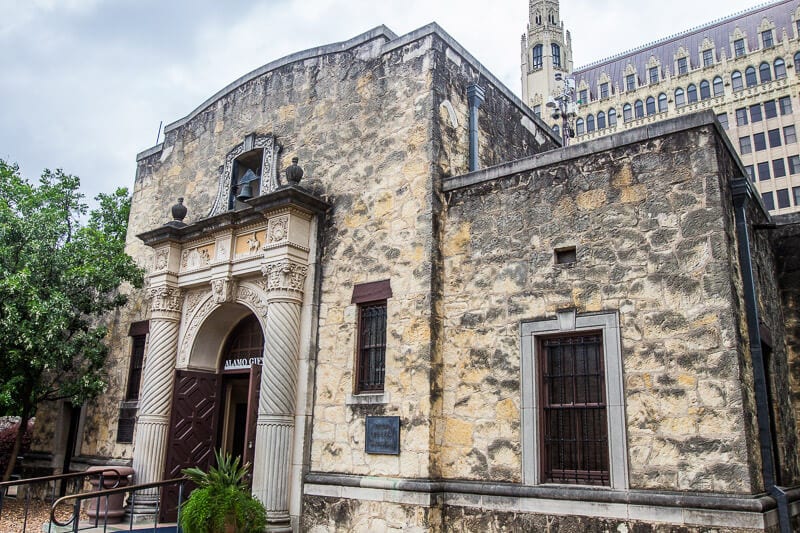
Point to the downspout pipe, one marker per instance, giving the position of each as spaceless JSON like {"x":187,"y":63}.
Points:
{"x":475,"y":97}
{"x":743,"y":194}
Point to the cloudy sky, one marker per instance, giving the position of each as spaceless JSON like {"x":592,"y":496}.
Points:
{"x":85,"y":83}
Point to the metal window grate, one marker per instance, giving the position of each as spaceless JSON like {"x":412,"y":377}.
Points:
{"x":137,"y":362}
{"x":574,"y":431}
{"x":125,"y":424}
{"x":372,"y":347}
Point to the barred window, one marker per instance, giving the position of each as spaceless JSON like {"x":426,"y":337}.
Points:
{"x":574,"y":428}
{"x":371,"y":330}
{"x":371,"y":346}
{"x":138,"y":333}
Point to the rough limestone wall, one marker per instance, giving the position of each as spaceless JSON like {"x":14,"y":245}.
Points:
{"x":506,"y":133}
{"x":322,"y":514}
{"x":379,"y":229}
{"x":464,"y":520}
{"x":787,"y":251}
{"x":392,"y":232}
{"x":648,"y":226}
{"x":354,"y":120}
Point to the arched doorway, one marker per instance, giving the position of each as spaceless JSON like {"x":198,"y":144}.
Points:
{"x":215,"y":400}
{"x":240,"y":366}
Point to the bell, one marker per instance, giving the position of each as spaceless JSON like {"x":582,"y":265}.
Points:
{"x":245,"y":185}
{"x":245,"y":193}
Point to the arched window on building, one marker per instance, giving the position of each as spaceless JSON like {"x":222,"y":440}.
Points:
{"x":601,"y":120}
{"x":638,"y":108}
{"x":556,"y":54}
{"x":719,"y":86}
{"x":736,"y":81}
{"x":536,"y":59}
{"x":797,"y":63}
{"x":612,"y":117}
{"x":765,"y":72}
{"x":650,"y":105}
{"x":780,"y":68}
{"x":627,"y":113}
{"x":589,"y":123}
{"x":705,"y":90}
{"x":662,"y":102}
{"x":750,"y":76}
{"x":691,"y":93}
{"x":579,"y":126}
{"x":680,"y":97}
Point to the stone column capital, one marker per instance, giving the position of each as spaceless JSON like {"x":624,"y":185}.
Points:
{"x":285,"y":279}
{"x":165,"y":301}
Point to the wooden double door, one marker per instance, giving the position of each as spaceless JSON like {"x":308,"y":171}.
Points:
{"x":209,"y":411}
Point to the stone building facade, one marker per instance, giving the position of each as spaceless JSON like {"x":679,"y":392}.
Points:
{"x":743,"y":67}
{"x":450,"y":323}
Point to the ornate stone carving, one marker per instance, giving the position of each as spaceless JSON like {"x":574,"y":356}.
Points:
{"x":278,"y":228}
{"x":161,"y":260}
{"x":193,"y":324}
{"x":285,"y":275}
{"x":223,"y":250}
{"x":253,"y":244}
{"x":193,"y":299}
{"x":269,"y":171}
{"x":252,"y":297}
{"x":165,"y":298}
{"x":222,"y":289}
{"x":195,"y":258}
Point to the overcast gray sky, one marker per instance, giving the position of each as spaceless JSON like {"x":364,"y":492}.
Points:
{"x":84,"y":83}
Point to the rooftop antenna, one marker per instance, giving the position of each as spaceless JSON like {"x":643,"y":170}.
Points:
{"x":158,"y":135}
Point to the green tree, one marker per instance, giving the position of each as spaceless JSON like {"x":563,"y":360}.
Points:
{"x":60,"y":273}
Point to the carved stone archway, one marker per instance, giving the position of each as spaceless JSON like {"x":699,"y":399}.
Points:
{"x":254,"y":259}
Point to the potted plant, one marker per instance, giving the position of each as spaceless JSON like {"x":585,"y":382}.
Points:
{"x":222,"y":503}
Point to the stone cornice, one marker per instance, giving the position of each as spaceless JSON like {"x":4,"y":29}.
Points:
{"x":259,"y":207}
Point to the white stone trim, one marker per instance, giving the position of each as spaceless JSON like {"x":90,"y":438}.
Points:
{"x":608,"y":324}
{"x":369,"y":494}
{"x":368,"y":398}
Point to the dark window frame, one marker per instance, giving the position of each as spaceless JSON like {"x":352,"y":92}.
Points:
{"x":770,"y":109}
{"x":371,"y":334}
{"x":563,"y":415}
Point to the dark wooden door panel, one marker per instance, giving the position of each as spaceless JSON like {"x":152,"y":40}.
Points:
{"x":252,"y":416}
{"x":192,"y":433}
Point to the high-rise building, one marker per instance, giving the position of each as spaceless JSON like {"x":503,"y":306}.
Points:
{"x":744,"y":67}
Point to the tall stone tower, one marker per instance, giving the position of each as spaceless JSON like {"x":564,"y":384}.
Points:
{"x":546,"y":50}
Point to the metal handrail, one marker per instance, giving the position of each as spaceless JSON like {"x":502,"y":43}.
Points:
{"x":4,"y":486}
{"x":56,"y":477}
{"x":76,"y":506}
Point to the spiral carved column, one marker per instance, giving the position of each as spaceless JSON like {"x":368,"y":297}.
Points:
{"x":276,"y":407}
{"x":156,"y":394}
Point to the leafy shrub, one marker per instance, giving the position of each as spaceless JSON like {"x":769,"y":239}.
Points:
{"x":8,"y":435}
{"x":222,"y":499}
